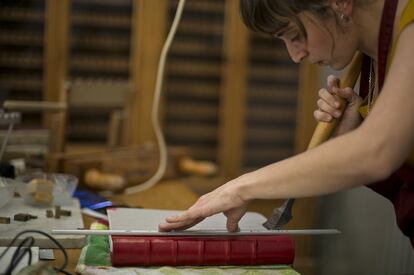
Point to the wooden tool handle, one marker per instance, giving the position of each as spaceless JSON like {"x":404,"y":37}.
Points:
{"x":200,"y":168}
{"x":24,"y":106}
{"x":324,"y":130}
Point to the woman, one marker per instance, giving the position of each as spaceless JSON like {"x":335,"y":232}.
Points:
{"x":373,"y":142}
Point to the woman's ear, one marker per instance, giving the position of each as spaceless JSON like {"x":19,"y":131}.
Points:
{"x":343,"y":8}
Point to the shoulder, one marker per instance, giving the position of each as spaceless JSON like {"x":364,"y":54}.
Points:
{"x":403,"y":52}
{"x":406,"y":15}
{"x":402,"y":45}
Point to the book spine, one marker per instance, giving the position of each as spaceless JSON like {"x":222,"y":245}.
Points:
{"x":152,"y":251}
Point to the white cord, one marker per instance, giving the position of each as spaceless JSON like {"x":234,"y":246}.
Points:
{"x":155,"y":106}
{"x":6,"y":138}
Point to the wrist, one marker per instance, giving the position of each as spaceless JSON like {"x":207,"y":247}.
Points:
{"x":245,"y":187}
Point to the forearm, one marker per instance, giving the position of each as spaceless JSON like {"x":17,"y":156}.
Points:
{"x":338,"y":164}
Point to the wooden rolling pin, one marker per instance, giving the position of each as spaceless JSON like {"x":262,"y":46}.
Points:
{"x":324,"y":130}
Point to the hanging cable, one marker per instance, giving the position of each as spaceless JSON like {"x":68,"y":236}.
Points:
{"x":155,"y":106}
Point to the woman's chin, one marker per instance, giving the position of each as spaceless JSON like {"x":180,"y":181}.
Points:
{"x":337,"y":66}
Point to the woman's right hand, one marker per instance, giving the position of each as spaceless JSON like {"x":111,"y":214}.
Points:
{"x":329,"y":106}
{"x":228,"y":199}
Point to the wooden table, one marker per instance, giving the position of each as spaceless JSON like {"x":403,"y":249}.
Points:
{"x":164,"y":195}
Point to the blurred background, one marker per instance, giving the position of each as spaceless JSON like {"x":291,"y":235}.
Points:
{"x":230,"y":96}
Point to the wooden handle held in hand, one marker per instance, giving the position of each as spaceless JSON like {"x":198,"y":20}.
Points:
{"x":324,"y":130}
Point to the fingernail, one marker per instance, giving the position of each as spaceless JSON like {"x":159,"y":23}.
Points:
{"x":337,"y":114}
{"x":337,"y":104}
{"x":172,"y":218}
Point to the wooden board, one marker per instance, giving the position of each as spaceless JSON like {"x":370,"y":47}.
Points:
{"x":17,"y":205}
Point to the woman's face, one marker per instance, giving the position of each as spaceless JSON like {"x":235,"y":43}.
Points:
{"x":326,"y":43}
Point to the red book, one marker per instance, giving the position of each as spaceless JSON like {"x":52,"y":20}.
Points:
{"x":219,"y":250}
{"x":194,"y":250}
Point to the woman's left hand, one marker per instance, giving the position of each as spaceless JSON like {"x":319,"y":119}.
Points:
{"x":226,"y":199}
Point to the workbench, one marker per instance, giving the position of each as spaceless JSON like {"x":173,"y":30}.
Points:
{"x":165,"y":195}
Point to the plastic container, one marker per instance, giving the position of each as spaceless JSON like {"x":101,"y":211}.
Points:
{"x":7,"y":187}
{"x":60,"y":186}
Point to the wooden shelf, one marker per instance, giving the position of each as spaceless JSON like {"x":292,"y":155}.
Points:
{"x":21,"y":55}
{"x":21,"y":14}
{"x":258,"y":113}
{"x":270,"y":55}
{"x":191,"y":68}
{"x":196,"y":26}
{"x":275,"y":94}
{"x":268,"y":154}
{"x":22,"y":38}
{"x":194,"y":131}
{"x":203,"y":152}
{"x":275,"y":72}
{"x":267,"y":135}
{"x":27,"y":83}
{"x":201,"y":6}
{"x":195,"y":47}
{"x":21,"y":61}
{"x":104,"y":21}
{"x":194,"y":111}
{"x":192,"y":89}
{"x":99,"y":43}
{"x":104,"y":3}
{"x":100,"y":64}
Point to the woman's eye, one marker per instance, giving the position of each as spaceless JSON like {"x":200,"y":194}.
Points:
{"x":294,"y":37}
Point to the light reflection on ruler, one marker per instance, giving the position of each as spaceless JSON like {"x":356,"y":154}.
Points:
{"x":197,"y":232}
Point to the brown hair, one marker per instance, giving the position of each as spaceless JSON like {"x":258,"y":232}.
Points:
{"x":270,"y":16}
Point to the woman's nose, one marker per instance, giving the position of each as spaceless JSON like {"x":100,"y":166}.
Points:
{"x":297,"y":52}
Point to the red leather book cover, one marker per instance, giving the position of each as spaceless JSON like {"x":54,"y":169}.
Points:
{"x":201,"y":250}
{"x":211,"y":249}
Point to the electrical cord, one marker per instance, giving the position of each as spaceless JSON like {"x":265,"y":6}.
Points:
{"x":155,"y":121}
{"x":25,"y":246}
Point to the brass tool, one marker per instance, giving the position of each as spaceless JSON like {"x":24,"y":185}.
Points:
{"x":283,"y":214}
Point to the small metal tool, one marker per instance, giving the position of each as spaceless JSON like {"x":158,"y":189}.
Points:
{"x":280,"y":215}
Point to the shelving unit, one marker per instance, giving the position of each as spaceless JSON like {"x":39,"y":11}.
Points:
{"x":21,"y":52}
{"x":193,"y":78}
{"x":99,"y":51}
{"x":271,"y":103}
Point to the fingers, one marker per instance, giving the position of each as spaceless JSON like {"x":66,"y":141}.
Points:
{"x":185,"y":220}
{"x":328,"y":107}
{"x":327,"y":102}
{"x":233,"y":218}
{"x":232,"y":224}
{"x":181,"y":225}
{"x":322,"y":116}
{"x":223,"y":199}
{"x":332,"y":82}
{"x":349,"y":95}
{"x":346,"y":93}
